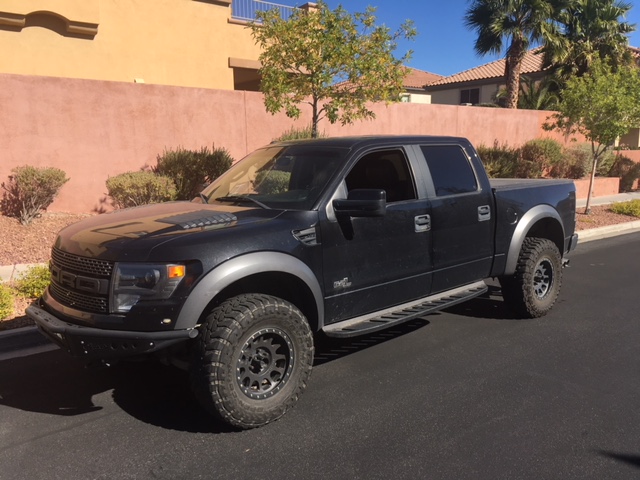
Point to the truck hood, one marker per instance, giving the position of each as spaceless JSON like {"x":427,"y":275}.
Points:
{"x":134,"y":232}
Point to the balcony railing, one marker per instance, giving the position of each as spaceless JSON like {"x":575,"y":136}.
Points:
{"x":246,"y":9}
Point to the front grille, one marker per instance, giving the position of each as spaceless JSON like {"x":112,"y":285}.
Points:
{"x":70,"y":276}
{"x":74,"y":263}
{"x":87,"y":303}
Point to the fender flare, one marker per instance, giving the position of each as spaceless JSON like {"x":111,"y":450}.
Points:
{"x":529,"y":219}
{"x":241,"y":267}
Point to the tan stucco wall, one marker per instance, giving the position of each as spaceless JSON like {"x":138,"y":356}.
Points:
{"x":451,"y":96}
{"x":96,"y":129}
{"x":168,"y":42}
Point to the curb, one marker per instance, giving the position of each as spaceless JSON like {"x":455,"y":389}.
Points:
{"x":14,"y":340}
{"x":11,"y":272}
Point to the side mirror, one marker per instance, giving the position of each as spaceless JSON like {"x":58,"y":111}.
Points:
{"x":362,"y":203}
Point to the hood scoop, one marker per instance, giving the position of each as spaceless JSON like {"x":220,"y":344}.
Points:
{"x":200,"y":218}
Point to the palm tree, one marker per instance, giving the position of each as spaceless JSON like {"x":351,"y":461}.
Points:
{"x":588,"y":29}
{"x":516,"y":23}
{"x":538,"y":94}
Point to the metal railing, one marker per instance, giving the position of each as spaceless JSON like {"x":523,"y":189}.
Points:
{"x":246,"y":9}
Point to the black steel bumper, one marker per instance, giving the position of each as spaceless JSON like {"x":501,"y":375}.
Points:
{"x":94,"y":343}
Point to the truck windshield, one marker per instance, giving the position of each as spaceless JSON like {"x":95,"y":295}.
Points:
{"x":283,"y":177}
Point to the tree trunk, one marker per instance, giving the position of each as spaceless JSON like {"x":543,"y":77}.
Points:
{"x":587,"y":208}
{"x":314,"y":119}
{"x":515,"y":55}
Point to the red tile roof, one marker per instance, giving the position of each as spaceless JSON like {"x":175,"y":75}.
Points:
{"x":532,"y":63}
{"x":419,"y":78}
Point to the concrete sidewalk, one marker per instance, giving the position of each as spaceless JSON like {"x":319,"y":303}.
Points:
{"x":609,"y":199}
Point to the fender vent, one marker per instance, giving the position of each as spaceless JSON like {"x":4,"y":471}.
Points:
{"x":202,"y":218}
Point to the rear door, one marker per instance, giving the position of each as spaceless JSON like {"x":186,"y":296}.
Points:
{"x":462,"y":217}
{"x":372,"y":263}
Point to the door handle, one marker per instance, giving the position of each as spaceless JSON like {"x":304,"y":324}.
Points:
{"x":422,"y":223}
{"x":484,"y":213}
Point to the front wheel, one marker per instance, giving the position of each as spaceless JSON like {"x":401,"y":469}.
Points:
{"x":252,"y":360}
{"x":532,"y":291}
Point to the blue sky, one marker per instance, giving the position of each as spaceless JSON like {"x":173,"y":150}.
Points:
{"x":443,"y":45}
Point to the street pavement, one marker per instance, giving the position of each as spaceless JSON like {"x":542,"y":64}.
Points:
{"x":468,"y":393}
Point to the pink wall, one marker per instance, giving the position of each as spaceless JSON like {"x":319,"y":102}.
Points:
{"x":95,"y":129}
{"x":602,"y":186}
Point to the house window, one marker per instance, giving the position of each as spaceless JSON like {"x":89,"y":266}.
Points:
{"x":471,"y":95}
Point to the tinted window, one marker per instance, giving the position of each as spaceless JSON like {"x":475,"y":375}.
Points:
{"x":384,"y":170}
{"x":450,"y":169}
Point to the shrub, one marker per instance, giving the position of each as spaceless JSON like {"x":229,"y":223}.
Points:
{"x":271,"y":182}
{"x":627,"y":170}
{"x":6,"y":301}
{"x":539,"y":157}
{"x":33,"y":282}
{"x":578,"y":160}
{"x":297,"y":134}
{"x":140,"y":188}
{"x":631,"y":208}
{"x":499,"y":161}
{"x":192,"y":170}
{"x":30,"y":191}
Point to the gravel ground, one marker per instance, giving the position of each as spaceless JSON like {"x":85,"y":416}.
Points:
{"x":32,"y":244}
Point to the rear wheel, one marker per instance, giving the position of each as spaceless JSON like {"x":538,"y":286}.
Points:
{"x":532,"y":291}
{"x":252,"y":360}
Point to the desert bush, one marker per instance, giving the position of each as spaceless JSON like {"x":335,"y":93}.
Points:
{"x":30,"y":191}
{"x":627,"y":170}
{"x":7,"y":302}
{"x":500,"y":161}
{"x":538,"y":157}
{"x":270,"y":182}
{"x":33,"y":282}
{"x":578,"y":160}
{"x":297,"y":134}
{"x":631,"y":208}
{"x":140,"y":188}
{"x":192,"y":170}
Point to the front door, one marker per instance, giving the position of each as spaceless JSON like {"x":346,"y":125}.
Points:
{"x":372,"y":263}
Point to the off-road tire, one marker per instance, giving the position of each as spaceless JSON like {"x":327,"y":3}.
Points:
{"x":532,"y":291}
{"x":252,"y":360}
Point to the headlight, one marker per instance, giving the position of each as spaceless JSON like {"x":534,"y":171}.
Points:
{"x":135,"y":281}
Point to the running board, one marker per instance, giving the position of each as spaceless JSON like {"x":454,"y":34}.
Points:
{"x":402,"y":313}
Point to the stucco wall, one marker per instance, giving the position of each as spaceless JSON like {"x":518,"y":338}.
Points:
{"x":169,"y":42}
{"x":96,"y":129}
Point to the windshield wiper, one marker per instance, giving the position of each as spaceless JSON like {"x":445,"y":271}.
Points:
{"x":242,"y":198}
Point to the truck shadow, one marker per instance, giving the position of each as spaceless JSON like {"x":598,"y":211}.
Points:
{"x":488,"y":305}
{"x":55,"y":384}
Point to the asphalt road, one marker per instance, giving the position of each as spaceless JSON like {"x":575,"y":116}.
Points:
{"x":466,"y":394}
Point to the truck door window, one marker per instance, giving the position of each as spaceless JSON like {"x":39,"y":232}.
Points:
{"x":450,"y":169}
{"x":386,"y":170}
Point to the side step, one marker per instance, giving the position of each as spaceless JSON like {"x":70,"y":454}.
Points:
{"x":402,"y":313}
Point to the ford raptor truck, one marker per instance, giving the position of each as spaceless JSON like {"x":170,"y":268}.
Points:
{"x":343,"y":236}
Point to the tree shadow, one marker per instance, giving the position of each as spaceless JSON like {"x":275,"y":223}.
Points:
{"x":633,"y":460}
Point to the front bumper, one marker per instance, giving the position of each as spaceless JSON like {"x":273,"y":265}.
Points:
{"x":94,"y":343}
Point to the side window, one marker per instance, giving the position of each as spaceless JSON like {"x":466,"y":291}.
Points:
{"x":386,"y":170}
{"x":470,"y":96}
{"x":450,"y":169}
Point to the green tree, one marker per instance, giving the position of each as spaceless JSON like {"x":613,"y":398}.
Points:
{"x":514,"y":23}
{"x":588,"y":30}
{"x":602,"y":105}
{"x":332,"y":60}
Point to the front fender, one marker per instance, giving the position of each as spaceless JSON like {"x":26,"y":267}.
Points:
{"x":241,"y":267}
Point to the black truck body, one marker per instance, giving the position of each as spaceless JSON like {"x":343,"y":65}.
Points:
{"x":350,"y":234}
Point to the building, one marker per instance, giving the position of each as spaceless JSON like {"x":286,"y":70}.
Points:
{"x":193,"y":43}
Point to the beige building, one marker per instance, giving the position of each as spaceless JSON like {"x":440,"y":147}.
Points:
{"x":194,"y":43}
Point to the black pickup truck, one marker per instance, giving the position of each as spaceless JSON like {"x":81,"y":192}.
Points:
{"x":343,"y":236}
